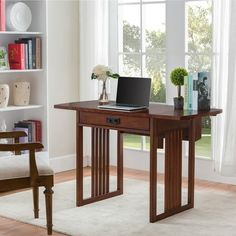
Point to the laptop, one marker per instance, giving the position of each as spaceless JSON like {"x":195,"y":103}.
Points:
{"x":133,"y":94}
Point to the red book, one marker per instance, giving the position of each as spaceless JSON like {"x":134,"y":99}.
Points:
{"x":16,"y":54}
{"x":38,"y":130}
{"x":2,"y":15}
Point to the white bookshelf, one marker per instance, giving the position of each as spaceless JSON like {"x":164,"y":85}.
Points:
{"x":20,"y":33}
{"x":37,"y":77}
{"x":20,"y":71}
{"x":18,"y":108}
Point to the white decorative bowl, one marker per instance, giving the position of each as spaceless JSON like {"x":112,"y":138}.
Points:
{"x":21,"y":93}
{"x":19,"y":17}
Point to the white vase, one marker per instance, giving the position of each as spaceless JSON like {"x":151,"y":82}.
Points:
{"x":21,"y":93}
{"x":4,"y":95}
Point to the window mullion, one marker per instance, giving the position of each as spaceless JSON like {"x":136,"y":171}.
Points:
{"x":141,"y":38}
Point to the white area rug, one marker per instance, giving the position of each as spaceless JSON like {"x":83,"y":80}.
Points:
{"x":214,"y":213}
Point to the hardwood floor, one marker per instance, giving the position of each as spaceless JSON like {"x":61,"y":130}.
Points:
{"x":12,"y":228}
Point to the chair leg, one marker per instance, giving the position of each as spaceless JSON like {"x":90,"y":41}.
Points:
{"x":36,"y":201}
{"x":48,"y":198}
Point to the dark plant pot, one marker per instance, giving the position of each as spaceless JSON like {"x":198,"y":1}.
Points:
{"x":179,"y":103}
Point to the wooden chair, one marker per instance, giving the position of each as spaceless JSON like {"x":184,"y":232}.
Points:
{"x":26,"y":171}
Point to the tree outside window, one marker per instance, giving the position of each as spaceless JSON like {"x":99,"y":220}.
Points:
{"x":142,"y":51}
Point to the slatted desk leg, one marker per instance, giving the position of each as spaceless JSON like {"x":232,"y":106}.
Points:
{"x":120,"y":162}
{"x":100,"y":167}
{"x":173,"y":173}
{"x":173,"y":169}
{"x":191,"y":163}
{"x":79,"y":165}
{"x":153,"y":170}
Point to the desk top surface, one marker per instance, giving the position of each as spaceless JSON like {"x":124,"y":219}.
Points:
{"x":160,"y":111}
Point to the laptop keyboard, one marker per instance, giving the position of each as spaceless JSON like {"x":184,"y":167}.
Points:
{"x":125,"y":105}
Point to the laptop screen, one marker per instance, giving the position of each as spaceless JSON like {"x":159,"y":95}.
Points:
{"x":133,"y":91}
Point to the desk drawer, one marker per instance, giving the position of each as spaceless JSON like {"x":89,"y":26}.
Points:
{"x":119,"y":121}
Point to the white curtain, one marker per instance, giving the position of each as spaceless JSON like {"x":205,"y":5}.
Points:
{"x":224,"y":87}
{"x":93,"y":43}
{"x":93,"y":50}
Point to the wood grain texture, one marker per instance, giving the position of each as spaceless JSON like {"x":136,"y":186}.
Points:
{"x":160,"y":111}
{"x":100,"y":162}
{"x":173,"y":169}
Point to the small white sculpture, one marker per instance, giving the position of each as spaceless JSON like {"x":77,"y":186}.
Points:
{"x":21,"y":93}
{"x":4,"y":95}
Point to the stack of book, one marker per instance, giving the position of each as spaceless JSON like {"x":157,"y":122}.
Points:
{"x":25,"y":53}
{"x":197,"y":91}
{"x":33,"y":128}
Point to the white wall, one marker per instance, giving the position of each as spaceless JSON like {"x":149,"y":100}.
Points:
{"x":63,"y":79}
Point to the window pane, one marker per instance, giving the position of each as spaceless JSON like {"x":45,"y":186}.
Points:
{"x":132,"y":141}
{"x":129,"y":28}
{"x":196,"y":63}
{"x":199,"y":26}
{"x":203,"y":146}
{"x":154,"y":67}
{"x":154,"y":36}
{"x":130,"y":65}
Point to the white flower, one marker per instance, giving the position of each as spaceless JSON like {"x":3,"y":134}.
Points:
{"x":101,"y":72}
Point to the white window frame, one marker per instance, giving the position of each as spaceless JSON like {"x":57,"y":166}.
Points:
{"x":176,"y":47}
{"x":175,"y":43}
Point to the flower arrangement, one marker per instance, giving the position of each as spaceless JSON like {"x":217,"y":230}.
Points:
{"x":101,"y":72}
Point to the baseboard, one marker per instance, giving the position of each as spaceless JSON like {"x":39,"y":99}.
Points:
{"x":203,"y":169}
{"x":64,"y":163}
{"x":139,"y":160}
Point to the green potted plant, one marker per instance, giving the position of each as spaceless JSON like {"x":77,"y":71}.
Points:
{"x":177,"y":78}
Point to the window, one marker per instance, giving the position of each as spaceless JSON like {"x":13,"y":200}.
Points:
{"x":144,"y":49}
{"x":199,"y":56}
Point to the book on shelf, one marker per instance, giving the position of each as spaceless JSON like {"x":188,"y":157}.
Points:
{"x":197,"y":91}
{"x":33,"y":128}
{"x":38,"y":130}
{"x":16,"y":54}
{"x":26,"y":125}
{"x":34,"y":51}
{"x":38,"y":53}
{"x":204,"y":90}
{"x":2,"y":15}
{"x":27,"y":52}
{"x":186,"y":92}
{"x":22,"y":139}
{"x":28,"y":41}
{"x":188,"y":87}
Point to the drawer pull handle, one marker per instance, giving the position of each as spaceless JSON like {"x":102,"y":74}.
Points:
{"x":113,"y":120}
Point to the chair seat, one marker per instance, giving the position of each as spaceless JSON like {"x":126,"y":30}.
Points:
{"x":13,"y":167}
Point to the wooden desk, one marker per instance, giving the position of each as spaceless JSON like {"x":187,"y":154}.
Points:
{"x":163,"y":124}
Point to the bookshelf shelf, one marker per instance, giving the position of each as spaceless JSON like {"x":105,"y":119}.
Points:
{"x":17,"y":108}
{"x":20,"y":33}
{"x":20,"y":71}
